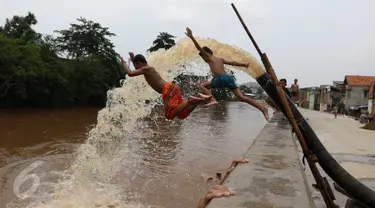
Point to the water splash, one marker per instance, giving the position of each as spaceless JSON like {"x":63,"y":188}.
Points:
{"x":93,"y":180}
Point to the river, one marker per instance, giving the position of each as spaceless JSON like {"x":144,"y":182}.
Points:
{"x":175,"y":155}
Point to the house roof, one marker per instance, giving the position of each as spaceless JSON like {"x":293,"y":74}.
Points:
{"x":338,"y":82}
{"x":359,"y":80}
{"x":325,"y":86}
{"x":333,"y":88}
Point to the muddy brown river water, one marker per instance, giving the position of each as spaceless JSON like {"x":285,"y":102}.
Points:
{"x":175,"y":155}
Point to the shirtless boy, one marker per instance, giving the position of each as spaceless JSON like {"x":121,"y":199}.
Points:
{"x":295,"y":91}
{"x":174,"y":105}
{"x":221,"y":78}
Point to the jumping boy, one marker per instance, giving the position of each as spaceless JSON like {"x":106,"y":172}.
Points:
{"x":221,"y":78}
{"x":174,"y":105}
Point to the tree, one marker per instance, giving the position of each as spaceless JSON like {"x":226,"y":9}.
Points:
{"x":27,"y":80}
{"x":163,"y":40}
{"x":85,"y":39}
{"x":89,"y":41}
{"x":21,"y":28}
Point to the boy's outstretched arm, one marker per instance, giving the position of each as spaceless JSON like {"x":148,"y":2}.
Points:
{"x":215,"y":192}
{"x":235,"y":63}
{"x":189,"y":33}
{"x":129,"y":72}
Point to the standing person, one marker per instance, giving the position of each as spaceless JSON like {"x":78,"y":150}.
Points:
{"x":221,"y":78}
{"x":283,"y":84}
{"x":335,"y":110}
{"x":295,"y":91}
{"x":174,"y":105}
{"x":270,"y":102}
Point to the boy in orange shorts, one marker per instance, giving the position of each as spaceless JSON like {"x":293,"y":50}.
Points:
{"x":174,"y":105}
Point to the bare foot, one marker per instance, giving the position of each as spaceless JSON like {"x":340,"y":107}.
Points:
{"x":265,"y":113}
{"x":193,"y":99}
{"x":206,"y":97}
{"x":211,"y":103}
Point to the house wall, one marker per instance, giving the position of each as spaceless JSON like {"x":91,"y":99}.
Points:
{"x":355,"y":96}
{"x":325,"y":100}
{"x":336,"y":97}
{"x":371,"y":106}
{"x":310,"y":98}
{"x":322,"y":104}
{"x":303,"y":98}
{"x":311,"y":101}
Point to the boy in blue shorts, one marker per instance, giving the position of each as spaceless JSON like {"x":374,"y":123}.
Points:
{"x":221,"y":78}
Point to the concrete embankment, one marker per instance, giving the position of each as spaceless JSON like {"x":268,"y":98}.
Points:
{"x":273,"y":178}
{"x":348,"y":143}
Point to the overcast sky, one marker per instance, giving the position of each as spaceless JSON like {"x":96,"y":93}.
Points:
{"x":316,"y":41}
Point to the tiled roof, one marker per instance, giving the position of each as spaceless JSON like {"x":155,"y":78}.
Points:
{"x":359,"y":80}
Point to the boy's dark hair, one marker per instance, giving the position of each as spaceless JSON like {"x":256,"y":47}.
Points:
{"x":140,"y":59}
{"x":283,"y":80}
{"x":218,"y":175}
{"x":207,"y":49}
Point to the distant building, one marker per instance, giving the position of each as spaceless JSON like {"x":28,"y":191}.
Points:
{"x":324,"y":98}
{"x":371,"y":100}
{"x":357,"y":90}
{"x":309,"y":98}
{"x":254,"y":87}
{"x":339,"y":85}
{"x":331,"y":95}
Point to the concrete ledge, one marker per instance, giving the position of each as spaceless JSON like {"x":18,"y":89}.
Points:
{"x":273,"y":178}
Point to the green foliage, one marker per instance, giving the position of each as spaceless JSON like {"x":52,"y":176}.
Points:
{"x":163,"y":40}
{"x":33,"y":73}
{"x":85,"y":39}
{"x":20,"y":27}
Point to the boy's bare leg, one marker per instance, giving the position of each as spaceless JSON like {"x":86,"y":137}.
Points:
{"x":191,"y":101}
{"x":190,"y":104}
{"x":205,"y":90}
{"x":204,"y":96}
{"x":238,"y":93}
{"x":270,"y":102}
{"x":215,"y":191}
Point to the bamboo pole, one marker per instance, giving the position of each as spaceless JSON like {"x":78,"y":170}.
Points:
{"x":310,"y":158}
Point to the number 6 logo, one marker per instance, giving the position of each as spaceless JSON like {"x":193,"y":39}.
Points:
{"x":22,"y":177}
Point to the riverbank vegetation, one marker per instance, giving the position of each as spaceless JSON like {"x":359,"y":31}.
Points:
{"x":75,"y":66}
{"x":70,"y":67}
